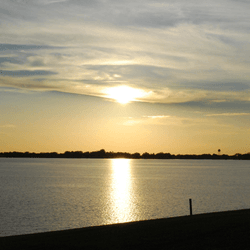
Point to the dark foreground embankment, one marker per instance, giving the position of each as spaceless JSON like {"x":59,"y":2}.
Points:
{"x":224,"y":230}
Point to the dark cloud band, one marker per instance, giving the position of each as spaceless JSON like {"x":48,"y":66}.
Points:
{"x":11,"y":47}
{"x":26,"y":73}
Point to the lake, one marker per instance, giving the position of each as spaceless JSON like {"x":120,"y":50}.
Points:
{"x":39,"y":195}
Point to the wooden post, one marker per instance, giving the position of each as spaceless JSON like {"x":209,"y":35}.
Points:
{"x":190,"y":206}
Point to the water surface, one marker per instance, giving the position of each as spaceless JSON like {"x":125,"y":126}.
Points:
{"x":39,"y":195}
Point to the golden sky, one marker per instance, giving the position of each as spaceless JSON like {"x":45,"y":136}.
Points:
{"x":134,"y":76}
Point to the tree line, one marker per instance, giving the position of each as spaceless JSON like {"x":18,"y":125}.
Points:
{"x":107,"y":155}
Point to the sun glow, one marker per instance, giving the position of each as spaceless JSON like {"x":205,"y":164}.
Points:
{"x":124,"y":94}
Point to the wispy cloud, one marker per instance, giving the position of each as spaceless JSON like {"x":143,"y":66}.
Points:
{"x":23,"y":73}
{"x":229,"y":114}
{"x":193,"y":124}
{"x":176,"y":51}
{"x":161,"y":120}
{"x":22,"y":47}
{"x":158,"y":116}
{"x":7,"y":126}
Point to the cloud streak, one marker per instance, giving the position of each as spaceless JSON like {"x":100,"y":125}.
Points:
{"x":176,"y":51}
{"x":229,"y":114}
{"x":176,"y":121}
{"x":7,"y":126}
{"x":25,"y":73}
{"x":18,"y":47}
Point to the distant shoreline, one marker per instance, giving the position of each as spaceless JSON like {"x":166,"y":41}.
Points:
{"x":219,"y":230}
{"x":102,"y":154}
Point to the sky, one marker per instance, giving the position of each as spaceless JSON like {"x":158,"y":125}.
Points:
{"x":129,"y":76}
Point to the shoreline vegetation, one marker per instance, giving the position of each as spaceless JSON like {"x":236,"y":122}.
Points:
{"x":110,"y":155}
{"x":220,"y":230}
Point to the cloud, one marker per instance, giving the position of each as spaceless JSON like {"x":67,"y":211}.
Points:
{"x":229,"y":114}
{"x":159,"y":120}
{"x":7,"y":126}
{"x":45,"y":2}
{"x":26,"y":73}
{"x":179,"y":52}
{"x":17,"y":47}
{"x":176,"y":121}
{"x":189,"y":122}
{"x":148,"y":13}
{"x":13,"y":60}
{"x":158,"y":116}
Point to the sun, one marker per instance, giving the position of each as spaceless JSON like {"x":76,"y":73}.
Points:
{"x":124,"y":94}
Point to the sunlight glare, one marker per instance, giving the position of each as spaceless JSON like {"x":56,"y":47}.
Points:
{"x":121,"y":190}
{"x":124,"y":94}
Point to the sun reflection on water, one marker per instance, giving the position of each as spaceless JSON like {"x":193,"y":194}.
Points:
{"x":121,"y":192}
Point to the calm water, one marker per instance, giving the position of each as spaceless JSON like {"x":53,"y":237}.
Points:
{"x":38,"y":195}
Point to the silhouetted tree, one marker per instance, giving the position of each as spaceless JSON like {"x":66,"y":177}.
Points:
{"x":136,"y":156}
{"x":145,"y":155}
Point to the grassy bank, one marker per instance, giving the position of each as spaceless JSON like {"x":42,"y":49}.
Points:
{"x":223,"y":230}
